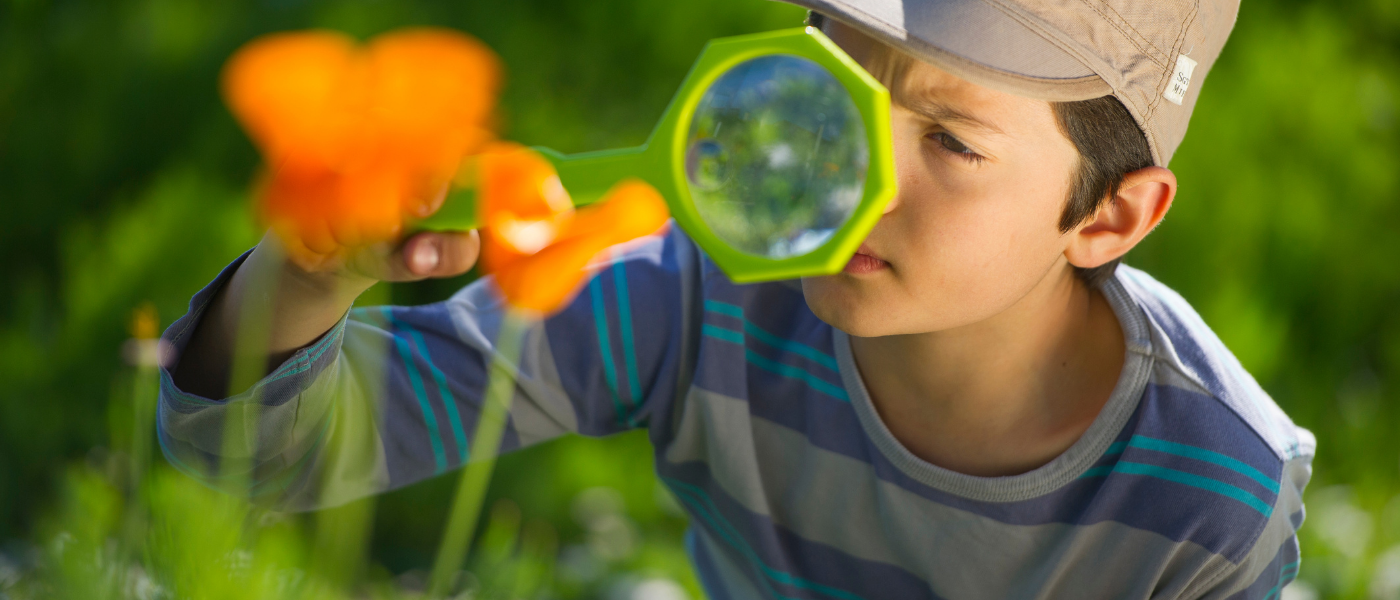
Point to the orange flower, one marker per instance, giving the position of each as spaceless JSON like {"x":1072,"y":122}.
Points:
{"x":357,"y":139}
{"x":360,"y":140}
{"x":536,"y":244}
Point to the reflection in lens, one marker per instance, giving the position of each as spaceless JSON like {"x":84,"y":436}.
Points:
{"x":776,"y":156}
{"x":707,"y":164}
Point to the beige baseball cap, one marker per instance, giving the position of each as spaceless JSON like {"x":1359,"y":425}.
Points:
{"x":1152,"y":55}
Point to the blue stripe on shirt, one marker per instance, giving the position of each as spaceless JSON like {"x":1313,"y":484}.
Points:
{"x":624,"y":317}
{"x":701,"y":503}
{"x":459,"y":434}
{"x":600,"y":323}
{"x":415,"y":380}
{"x":1184,"y":478}
{"x":1196,"y":453}
{"x":786,"y":370}
{"x":312,"y":353}
{"x":795,"y":347}
{"x":1201,"y":454}
{"x":776,"y":367}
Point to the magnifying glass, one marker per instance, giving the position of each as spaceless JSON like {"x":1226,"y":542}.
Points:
{"x":774,"y":157}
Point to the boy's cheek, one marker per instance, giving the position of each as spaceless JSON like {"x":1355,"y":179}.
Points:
{"x":925,"y":292}
{"x":960,"y":252}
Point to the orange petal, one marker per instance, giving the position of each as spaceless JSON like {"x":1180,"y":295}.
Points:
{"x":631,"y":209}
{"x":433,"y":92}
{"x":517,"y":187}
{"x":355,"y":138}
{"x":513,"y":178}
{"x":296,"y":94}
{"x":547,"y":280}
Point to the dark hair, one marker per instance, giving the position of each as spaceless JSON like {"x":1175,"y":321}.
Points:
{"x":1110,"y":146}
{"x":1108,"y":139}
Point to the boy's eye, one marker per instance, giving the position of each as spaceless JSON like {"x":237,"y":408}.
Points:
{"x":952,"y":144}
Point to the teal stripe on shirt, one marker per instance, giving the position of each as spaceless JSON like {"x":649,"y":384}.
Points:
{"x":459,"y":434}
{"x":1201,"y":454}
{"x":722,"y":334}
{"x":312,"y":354}
{"x":624,"y":318}
{"x":717,"y":524}
{"x":773,"y":366}
{"x":705,"y":507}
{"x":415,"y":379}
{"x":799,"y":348}
{"x":1286,"y":574}
{"x":600,"y":322}
{"x":811,"y":380}
{"x":1193,"y":452}
{"x":724,"y":308}
{"x":1184,"y":478}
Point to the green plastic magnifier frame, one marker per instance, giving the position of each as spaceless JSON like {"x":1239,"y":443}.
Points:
{"x":661,"y":160}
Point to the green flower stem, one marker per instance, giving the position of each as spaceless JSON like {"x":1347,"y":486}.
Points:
{"x":471,"y":489}
{"x":252,"y":341}
{"x":143,"y":416}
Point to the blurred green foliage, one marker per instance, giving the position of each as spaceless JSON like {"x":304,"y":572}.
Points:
{"x":1285,"y":235}
{"x":125,"y":181}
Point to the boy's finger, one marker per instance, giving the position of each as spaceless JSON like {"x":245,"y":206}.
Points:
{"x":440,"y":254}
{"x":316,"y":235}
{"x":346,"y":232}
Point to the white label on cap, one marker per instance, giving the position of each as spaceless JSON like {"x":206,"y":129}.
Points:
{"x":1181,"y":80}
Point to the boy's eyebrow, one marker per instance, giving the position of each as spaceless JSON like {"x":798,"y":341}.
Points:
{"x":937,"y":111}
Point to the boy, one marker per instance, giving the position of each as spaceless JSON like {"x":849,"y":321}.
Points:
{"x":982,"y":405}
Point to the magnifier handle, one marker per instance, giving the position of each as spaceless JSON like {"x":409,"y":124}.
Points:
{"x":457,"y":213}
{"x":587,"y":176}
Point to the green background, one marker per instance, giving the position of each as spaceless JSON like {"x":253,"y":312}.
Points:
{"x":123,"y":180}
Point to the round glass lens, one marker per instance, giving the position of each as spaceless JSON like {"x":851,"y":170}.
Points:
{"x":776,"y":157}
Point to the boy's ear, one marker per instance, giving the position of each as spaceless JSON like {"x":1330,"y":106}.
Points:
{"x":1125,"y":219}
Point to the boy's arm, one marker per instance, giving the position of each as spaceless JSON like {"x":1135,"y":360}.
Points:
{"x":390,"y":394}
{"x":302,"y":305}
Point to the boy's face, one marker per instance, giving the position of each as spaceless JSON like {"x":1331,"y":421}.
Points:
{"x":983,"y":177}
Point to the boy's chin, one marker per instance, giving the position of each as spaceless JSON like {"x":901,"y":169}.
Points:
{"x":854,"y":309}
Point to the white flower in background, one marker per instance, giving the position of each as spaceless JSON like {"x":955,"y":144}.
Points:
{"x":658,"y":589}
{"x":1385,"y":579}
{"x":596,"y":503}
{"x":611,"y":535}
{"x":1340,"y":522}
{"x":1298,"y":590}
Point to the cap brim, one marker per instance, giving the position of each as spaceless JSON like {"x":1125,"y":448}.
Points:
{"x":974,"y":40}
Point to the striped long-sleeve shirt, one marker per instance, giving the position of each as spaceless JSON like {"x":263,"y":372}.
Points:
{"x":1187,"y":485}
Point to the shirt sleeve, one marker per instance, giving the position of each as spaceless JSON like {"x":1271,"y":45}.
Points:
{"x":390,"y":395}
{"x":1274,"y":560}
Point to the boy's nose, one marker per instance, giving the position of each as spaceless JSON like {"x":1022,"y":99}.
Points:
{"x":897,"y":197}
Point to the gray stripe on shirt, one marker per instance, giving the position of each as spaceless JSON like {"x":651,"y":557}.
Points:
{"x":836,"y":500}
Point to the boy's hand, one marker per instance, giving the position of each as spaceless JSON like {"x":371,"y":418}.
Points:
{"x":364,"y":249}
{"x":425,"y":255}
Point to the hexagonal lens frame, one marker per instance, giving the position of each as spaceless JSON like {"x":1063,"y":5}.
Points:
{"x":661,"y":160}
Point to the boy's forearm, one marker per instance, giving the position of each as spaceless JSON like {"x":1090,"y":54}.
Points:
{"x":303,"y":306}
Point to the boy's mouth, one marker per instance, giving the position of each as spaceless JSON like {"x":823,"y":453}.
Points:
{"x":864,"y":261}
